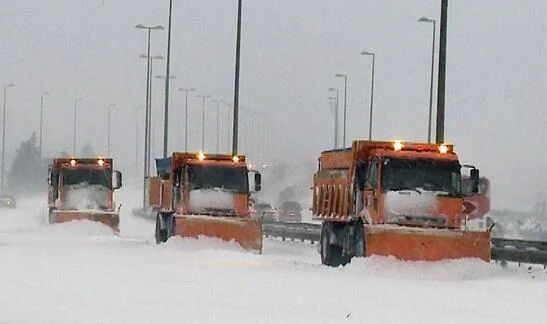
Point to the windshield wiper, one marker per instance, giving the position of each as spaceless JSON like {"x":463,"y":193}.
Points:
{"x":406,"y":188}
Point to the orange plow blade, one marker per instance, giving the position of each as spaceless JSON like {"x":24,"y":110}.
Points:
{"x":110,"y":219}
{"x":246,"y":232}
{"x":422,"y":244}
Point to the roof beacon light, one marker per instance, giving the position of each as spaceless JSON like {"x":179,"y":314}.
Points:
{"x":235,"y":158}
{"x":100,"y":162}
{"x":73,"y":162}
{"x":398,"y":145}
{"x":443,"y":148}
{"x":201,"y":156}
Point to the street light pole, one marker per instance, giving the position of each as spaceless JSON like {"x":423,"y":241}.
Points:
{"x":236,"y":82}
{"x":139,"y":109}
{"x":218,"y":122}
{"x":371,"y":93}
{"x":6,"y":86}
{"x":442,"y":73}
{"x":336,"y":114}
{"x":332,"y":103}
{"x":150,"y":130}
{"x":76,"y":100}
{"x":186,"y":116}
{"x":428,"y":20}
{"x":109,"y":129}
{"x":42,"y":95}
{"x":345,"y":105}
{"x":203,"y":97}
{"x":146,"y":169}
{"x":228,"y":125}
{"x":167,"y":79}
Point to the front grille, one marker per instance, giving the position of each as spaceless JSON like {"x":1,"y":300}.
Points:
{"x":421,"y":221}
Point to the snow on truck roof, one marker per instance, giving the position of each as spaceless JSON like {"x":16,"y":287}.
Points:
{"x":343,"y":158}
{"x":177,"y":159}
{"x":75,"y":161}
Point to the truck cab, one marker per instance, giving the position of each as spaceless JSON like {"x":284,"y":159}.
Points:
{"x":197,"y":194}
{"x":393,"y":198}
{"x":83,"y":188}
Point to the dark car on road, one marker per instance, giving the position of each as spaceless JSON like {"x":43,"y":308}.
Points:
{"x":7,"y":201}
{"x":290,"y":211}
{"x":266,"y":211}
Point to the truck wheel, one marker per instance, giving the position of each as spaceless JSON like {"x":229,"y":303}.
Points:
{"x":173,"y":226}
{"x":331,"y":255}
{"x":359,"y":248}
{"x":161,"y":234}
{"x":50,"y":216}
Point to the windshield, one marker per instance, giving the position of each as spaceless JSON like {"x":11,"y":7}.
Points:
{"x":218,"y":177}
{"x":419,"y":175}
{"x":73,"y":177}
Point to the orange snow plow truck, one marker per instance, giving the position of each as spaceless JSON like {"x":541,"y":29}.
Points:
{"x":393,"y":199}
{"x":196,"y":195}
{"x":82,"y":188}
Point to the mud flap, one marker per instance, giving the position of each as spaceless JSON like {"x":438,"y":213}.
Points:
{"x":110,"y":219}
{"x":415,"y":244}
{"x":245,"y":231}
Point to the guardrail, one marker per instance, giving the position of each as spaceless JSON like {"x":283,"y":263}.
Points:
{"x":502,"y":249}
{"x":505,"y":250}
{"x":521,"y":251}
{"x":293,"y":231}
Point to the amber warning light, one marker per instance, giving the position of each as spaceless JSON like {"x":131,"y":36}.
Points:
{"x":397,"y":145}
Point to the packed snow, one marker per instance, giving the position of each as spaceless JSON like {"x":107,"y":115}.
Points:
{"x":79,"y":272}
{"x":411,"y":202}
{"x":212,"y":198}
{"x":82,"y":197}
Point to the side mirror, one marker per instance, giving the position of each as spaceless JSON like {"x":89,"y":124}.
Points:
{"x":118,"y":180}
{"x":474,"y":174}
{"x":258,"y":182}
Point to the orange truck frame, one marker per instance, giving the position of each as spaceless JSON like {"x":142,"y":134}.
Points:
{"x":393,"y":199}
{"x":82,"y":188}
{"x":206,"y":195}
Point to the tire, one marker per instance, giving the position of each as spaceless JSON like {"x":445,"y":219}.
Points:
{"x":50,"y":216}
{"x":359,"y":247}
{"x":161,"y":234}
{"x":173,"y":226}
{"x":331,"y":255}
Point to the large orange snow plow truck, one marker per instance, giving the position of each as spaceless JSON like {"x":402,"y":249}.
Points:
{"x":393,"y":199}
{"x":205,"y":195}
{"x":82,"y":188}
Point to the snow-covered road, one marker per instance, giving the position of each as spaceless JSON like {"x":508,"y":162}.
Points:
{"x":80,"y":273}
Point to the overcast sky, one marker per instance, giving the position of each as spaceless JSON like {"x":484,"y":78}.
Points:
{"x":496,"y":103}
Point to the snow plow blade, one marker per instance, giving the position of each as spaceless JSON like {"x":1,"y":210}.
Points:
{"x":426,"y":244}
{"x":110,"y":219}
{"x":246,"y":232}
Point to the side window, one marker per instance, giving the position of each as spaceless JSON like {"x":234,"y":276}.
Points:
{"x":372,"y":178}
{"x":361,"y":175}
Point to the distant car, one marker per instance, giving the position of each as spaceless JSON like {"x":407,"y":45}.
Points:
{"x":290,"y":211}
{"x":7,"y":201}
{"x":266,"y":211}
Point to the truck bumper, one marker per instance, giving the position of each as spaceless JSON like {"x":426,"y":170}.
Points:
{"x":111,"y":219}
{"x":246,"y":232}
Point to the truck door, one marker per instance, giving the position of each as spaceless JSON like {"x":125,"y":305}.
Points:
{"x":371,"y":193}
